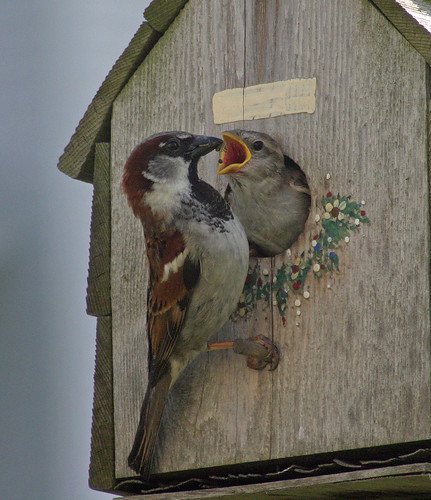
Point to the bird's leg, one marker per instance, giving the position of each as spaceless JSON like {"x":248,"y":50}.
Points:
{"x":215,"y":346}
{"x":260,"y":351}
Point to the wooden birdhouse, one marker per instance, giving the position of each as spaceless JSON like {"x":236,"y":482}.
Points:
{"x":343,"y":86}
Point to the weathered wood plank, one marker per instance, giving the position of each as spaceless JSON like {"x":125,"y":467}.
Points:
{"x":102,"y":472}
{"x":358,"y":362}
{"x":218,"y":384}
{"x":99,"y":272}
{"x":402,"y":481}
{"x":359,"y":359}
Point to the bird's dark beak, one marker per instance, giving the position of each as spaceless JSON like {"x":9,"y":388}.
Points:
{"x":234,"y":155}
{"x":202,"y":145}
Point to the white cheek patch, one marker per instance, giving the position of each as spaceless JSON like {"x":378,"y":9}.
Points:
{"x":174,"y":265}
{"x":165,"y":196}
{"x":148,"y":175}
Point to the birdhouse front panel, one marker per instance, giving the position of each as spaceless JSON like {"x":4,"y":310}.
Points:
{"x":348,"y":303}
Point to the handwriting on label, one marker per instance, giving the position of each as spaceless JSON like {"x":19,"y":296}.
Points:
{"x":265,"y":101}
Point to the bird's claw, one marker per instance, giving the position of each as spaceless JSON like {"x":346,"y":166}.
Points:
{"x":272,"y":358}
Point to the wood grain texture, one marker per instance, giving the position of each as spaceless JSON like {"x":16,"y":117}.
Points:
{"x":355,"y":372}
{"x":355,"y":356}
{"x":101,"y":472}
{"x":404,"y":481}
{"x":214,"y":386}
{"x":161,"y":13}
{"x":99,"y":272}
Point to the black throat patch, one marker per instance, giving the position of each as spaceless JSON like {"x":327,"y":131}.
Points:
{"x":206,"y":203}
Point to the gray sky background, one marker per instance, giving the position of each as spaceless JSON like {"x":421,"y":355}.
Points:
{"x":54,"y":56}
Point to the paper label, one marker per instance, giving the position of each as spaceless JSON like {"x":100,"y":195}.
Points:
{"x":265,"y":101}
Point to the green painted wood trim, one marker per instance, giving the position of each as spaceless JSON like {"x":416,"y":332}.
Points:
{"x":161,"y":13}
{"x":99,"y":271}
{"x":77,"y":160}
{"x":101,"y":471}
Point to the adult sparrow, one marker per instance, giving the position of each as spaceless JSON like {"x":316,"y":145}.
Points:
{"x":198,"y":257}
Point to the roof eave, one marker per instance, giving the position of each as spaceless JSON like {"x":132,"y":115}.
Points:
{"x":77,"y":161}
{"x":412,"y":18}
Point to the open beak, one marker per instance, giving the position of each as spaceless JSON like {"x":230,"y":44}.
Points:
{"x":234,"y":154}
{"x":203,"y":144}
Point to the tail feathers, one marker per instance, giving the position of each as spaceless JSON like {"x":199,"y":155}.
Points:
{"x":141,"y":456}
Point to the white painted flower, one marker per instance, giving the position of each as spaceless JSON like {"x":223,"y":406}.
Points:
{"x":347,"y":239}
{"x":297,"y":303}
{"x":316,"y":268}
{"x":335,"y":210}
{"x":306,"y":294}
{"x":317,"y":218}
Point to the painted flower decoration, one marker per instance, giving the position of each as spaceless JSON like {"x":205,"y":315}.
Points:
{"x":336,"y":218}
{"x":335,"y":210}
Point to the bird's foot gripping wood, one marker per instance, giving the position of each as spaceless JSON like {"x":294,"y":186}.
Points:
{"x":260,"y":351}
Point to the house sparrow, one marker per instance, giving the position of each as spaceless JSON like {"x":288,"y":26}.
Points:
{"x":267,"y":190}
{"x":198,"y":258}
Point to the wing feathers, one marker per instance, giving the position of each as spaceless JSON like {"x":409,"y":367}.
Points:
{"x":173,"y":278}
{"x":149,"y":423}
{"x":298,"y":181}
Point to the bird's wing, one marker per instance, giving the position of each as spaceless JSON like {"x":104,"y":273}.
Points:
{"x":173,"y":275}
{"x":298,"y":180}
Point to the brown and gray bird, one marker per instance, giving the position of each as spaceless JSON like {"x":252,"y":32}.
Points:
{"x":267,"y":190}
{"x":198,"y":258}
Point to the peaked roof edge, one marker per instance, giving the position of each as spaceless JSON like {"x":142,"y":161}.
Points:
{"x":412,"y":18}
{"x":77,"y":161}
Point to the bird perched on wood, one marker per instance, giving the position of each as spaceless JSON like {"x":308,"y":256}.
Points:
{"x":198,"y":258}
{"x":267,"y":190}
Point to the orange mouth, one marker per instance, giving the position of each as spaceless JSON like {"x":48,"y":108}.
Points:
{"x":234,"y":155}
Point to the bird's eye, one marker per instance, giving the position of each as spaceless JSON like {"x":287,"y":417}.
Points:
{"x":172,"y":146}
{"x":257,"y":145}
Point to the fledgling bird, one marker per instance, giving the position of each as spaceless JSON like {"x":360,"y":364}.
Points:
{"x":198,"y":258}
{"x":267,"y":190}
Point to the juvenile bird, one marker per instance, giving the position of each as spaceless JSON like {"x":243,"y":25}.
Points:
{"x":198,"y":257}
{"x":267,"y":190}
